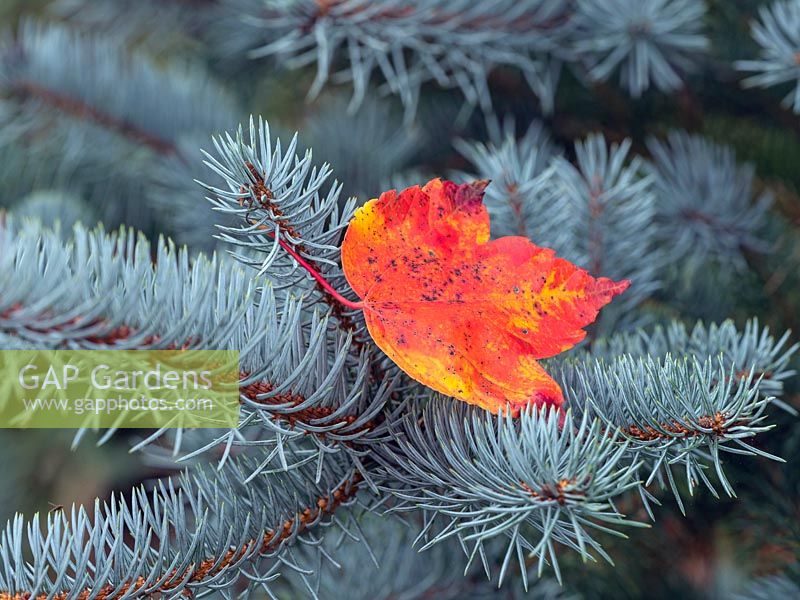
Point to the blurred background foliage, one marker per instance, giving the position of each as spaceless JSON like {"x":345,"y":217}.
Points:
{"x":105,"y":106}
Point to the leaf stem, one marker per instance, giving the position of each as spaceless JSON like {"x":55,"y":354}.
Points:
{"x":320,"y":279}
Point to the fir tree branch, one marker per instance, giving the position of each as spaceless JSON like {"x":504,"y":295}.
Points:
{"x":76,"y":105}
{"x":337,"y":417}
{"x":647,"y":41}
{"x":751,"y":349}
{"x":682,"y":400}
{"x":537,"y":481}
{"x":88,"y":77}
{"x":311,"y":401}
{"x":384,"y":565}
{"x":279,"y":197}
{"x":706,"y":210}
{"x":776,"y":31}
{"x":115,"y":290}
{"x":114,"y":294}
{"x":26,"y":90}
{"x":81,"y":557}
{"x":452,"y":42}
{"x":665,"y":414}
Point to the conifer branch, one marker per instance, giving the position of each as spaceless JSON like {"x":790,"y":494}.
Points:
{"x":244,"y":524}
{"x":26,"y":90}
{"x":279,"y":197}
{"x":320,"y":415}
{"x":80,"y":74}
{"x":453,"y":43}
{"x":118,"y":300}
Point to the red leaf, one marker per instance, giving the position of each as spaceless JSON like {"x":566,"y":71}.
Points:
{"x":464,"y":315}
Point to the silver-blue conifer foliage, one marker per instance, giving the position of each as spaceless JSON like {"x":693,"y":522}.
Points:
{"x":650,"y":42}
{"x":777,"y":32}
{"x":455,"y":43}
{"x":705,"y":206}
{"x":327,"y":421}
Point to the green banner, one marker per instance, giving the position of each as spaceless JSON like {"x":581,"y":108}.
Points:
{"x":128,"y":389}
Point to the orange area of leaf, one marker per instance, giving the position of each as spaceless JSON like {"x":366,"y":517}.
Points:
{"x":464,"y":315}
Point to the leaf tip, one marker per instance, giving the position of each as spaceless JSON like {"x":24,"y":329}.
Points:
{"x":467,"y":195}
